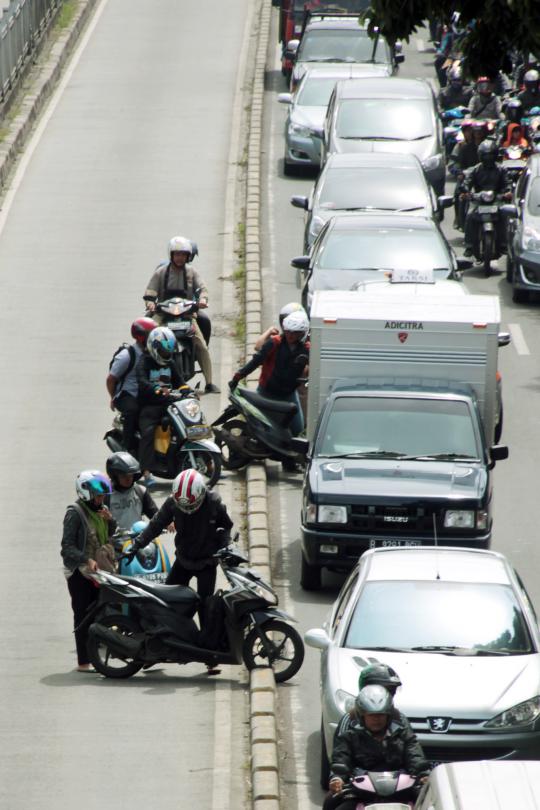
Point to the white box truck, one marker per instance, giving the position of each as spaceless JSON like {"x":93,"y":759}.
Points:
{"x":403,"y":406}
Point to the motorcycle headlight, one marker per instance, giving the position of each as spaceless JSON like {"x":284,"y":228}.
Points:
{"x":344,"y":701}
{"x":316,"y":225}
{"x":264,"y":592}
{"x":299,"y":129}
{"x":190,"y":408}
{"x":521,"y":715}
{"x":530,"y":239}
{"x":434,"y":162}
{"x":332,"y":514}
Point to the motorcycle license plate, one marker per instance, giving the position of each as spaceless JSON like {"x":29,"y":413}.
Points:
{"x":488,"y":209}
{"x":393,"y":543}
{"x":157,"y":577}
{"x":179,"y":326}
{"x":198,"y":432}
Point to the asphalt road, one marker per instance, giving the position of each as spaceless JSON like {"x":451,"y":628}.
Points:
{"x":134,"y":149}
{"x":515,"y":514}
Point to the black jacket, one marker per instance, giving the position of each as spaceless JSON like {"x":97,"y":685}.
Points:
{"x":198,"y":535}
{"x":399,"y":750}
{"x":481,"y":178}
{"x":281,"y":363}
{"x":151,"y":376}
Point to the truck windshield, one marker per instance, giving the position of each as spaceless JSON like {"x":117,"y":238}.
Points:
{"x":417,"y":428}
{"x":341,"y":45}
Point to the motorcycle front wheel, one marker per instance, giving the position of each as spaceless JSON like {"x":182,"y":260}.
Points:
{"x":282,"y":649}
{"x":204,"y":461}
{"x":105,"y":660}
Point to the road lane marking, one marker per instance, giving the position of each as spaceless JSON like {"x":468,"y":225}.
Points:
{"x":47,"y":115}
{"x":518,"y":339}
{"x":420,"y":45}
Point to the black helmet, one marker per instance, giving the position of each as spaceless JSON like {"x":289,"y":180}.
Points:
{"x":513,"y":111}
{"x":373,"y":699}
{"x":381,"y":675}
{"x":122,"y":463}
{"x":487,"y":152}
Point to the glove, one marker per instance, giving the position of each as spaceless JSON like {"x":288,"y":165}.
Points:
{"x":235,"y":380}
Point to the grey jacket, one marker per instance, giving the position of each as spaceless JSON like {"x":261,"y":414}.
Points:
{"x":74,"y":537}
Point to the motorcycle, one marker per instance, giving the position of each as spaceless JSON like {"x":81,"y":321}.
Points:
{"x":380,"y":789}
{"x":178,"y":315}
{"x":151,"y":563}
{"x":243,"y":624}
{"x":514,"y":160}
{"x":452,"y":120}
{"x":487,"y":240}
{"x":182,"y":440}
{"x":253,"y":428}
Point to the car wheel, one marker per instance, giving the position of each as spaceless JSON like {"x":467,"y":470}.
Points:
{"x":325,"y":762}
{"x":509,"y":268}
{"x":310,"y":577}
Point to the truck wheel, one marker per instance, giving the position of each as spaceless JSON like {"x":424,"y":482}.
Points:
{"x":487,"y":252}
{"x":325,"y":763}
{"x":310,"y":577}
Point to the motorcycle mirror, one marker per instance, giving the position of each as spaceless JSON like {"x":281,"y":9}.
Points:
{"x":509,"y":210}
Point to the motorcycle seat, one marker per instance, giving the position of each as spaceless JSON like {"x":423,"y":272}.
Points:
{"x":266,"y":404}
{"x":168,"y":593}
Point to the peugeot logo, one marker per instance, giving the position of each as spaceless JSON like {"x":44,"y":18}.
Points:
{"x":439,"y":724}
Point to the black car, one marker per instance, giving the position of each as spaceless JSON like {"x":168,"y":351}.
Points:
{"x":523,"y":257}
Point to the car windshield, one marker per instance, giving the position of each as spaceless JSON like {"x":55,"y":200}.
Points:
{"x":387,"y":189}
{"x":315,"y":92}
{"x":534,"y":198}
{"x":335,"y":6}
{"x":387,"y":248}
{"x":401,"y":426}
{"x":454,"y":617}
{"x":385,"y":119}
{"x":341,"y":44}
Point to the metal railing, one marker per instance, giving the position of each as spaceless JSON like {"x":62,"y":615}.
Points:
{"x":22,"y":24}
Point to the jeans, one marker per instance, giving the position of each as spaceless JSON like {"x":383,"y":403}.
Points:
{"x":83,"y":593}
{"x":297,"y":424}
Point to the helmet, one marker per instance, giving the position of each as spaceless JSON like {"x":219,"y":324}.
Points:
{"x":288,"y":309}
{"x":122,"y":463}
{"x":379,"y":674}
{"x":181,"y":244}
{"x":513,"y":110}
{"x":189,"y":490}
{"x":455,"y":75}
{"x":487,"y":152}
{"x":531,"y":79}
{"x":373,"y":699}
{"x":90,"y":483}
{"x":141,"y":328}
{"x":296,"y":322}
{"x":161,"y":345}
{"x":484,"y":84}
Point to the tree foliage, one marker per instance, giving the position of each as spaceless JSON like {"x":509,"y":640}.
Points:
{"x":500,"y":26}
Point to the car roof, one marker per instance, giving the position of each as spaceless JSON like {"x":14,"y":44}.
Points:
{"x":336,"y":22}
{"x":371,"y":160}
{"x":384,"y":87}
{"x":430,"y":563}
{"x":351,"y":221}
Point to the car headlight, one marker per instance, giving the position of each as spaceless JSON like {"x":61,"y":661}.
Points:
{"x":521,"y":715}
{"x":434,"y":162}
{"x":299,"y":129}
{"x":190,"y":408}
{"x":332,"y":514}
{"x":459,"y":519}
{"x":530,"y":239}
{"x":344,"y":701}
{"x":316,"y":225}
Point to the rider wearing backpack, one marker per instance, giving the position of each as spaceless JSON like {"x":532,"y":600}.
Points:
{"x":129,"y":500}
{"x":122,"y":382}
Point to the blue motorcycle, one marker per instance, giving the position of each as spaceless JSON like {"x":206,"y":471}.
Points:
{"x":151,"y":563}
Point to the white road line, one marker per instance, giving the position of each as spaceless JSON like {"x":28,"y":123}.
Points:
{"x":518,"y":339}
{"x":420,"y":45}
{"x":47,"y":115}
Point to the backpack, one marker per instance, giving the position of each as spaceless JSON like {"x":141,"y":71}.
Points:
{"x":132,"y":359}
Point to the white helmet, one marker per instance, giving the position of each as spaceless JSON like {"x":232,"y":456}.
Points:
{"x":181,"y":244}
{"x":161,"y":345}
{"x":288,"y":309}
{"x":296,"y":322}
{"x":189,"y":490}
{"x":90,"y":483}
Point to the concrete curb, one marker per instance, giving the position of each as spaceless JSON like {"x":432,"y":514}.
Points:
{"x":21,"y":127}
{"x":264,"y":748}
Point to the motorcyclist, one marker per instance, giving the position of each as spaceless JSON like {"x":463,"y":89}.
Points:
{"x":455,"y":94}
{"x":284,"y":359}
{"x":464,"y":156}
{"x":379,"y":675}
{"x":287,"y":309}
{"x":484,"y":103}
{"x":515,"y":137}
{"x":129,"y":500}
{"x":202,"y":525}
{"x":157,"y":374}
{"x":374,"y":742}
{"x":122,"y":384}
{"x":485,"y":176}
{"x":178,"y":278}
{"x":530,"y":95}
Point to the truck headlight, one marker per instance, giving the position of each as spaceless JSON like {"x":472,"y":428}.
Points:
{"x":530,"y":239}
{"x":459,"y":519}
{"x":434,"y":162}
{"x":332,"y":514}
{"x":344,"y":701}
{"x":521,"y":715}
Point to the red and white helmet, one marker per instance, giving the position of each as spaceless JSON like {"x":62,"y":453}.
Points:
{"x":189,"y":490}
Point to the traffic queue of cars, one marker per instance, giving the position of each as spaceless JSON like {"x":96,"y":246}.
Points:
{"x":404,"y":419}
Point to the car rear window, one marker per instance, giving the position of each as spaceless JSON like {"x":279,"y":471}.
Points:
{"x":347,"y":45}
{"x":384,"y":189}
{"x":389,"y":248}
{"x":465,"y":618}
{"x":385,"y":119}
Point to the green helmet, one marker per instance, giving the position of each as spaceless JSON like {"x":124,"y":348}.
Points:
{"x":380,"y":675}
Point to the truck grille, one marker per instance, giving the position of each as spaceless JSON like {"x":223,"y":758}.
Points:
{"x":398,"y":520}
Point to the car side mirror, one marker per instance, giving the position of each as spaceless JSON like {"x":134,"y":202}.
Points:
{"x":504,"y":338}
{"x":300,"y":446}
{"x":463,"y":263}
{"x":498,"y":452}
{"x":291,"y":48}
{"x":445,"y":201}
{"x":300,"y":262}
{"x":317,"y":638}
{"x":299,"y":201}
{"x":285,"y":98}
{"x":509,"y":210}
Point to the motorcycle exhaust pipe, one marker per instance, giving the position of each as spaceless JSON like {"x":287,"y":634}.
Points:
{"x":123,"y":646}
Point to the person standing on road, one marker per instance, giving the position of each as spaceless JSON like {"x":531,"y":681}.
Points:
{"x":178,"y":279}
{"x":88,"y":525}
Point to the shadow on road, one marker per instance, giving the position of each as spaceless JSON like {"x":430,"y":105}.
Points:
{"x":151,"y":682}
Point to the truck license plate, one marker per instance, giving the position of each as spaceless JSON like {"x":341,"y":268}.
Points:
{"x":391,"y":543}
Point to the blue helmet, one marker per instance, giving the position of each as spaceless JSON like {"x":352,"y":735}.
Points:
{"x":161,"y":345}
{"x":90,"y":483}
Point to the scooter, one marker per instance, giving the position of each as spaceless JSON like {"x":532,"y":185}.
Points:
{"x":242,"y":624}
{"x":253,"y":428}
{"x":178,"y":314}
{"x":151,"y":563}
{"x":381,"y":789}
{"x":182,"y":440}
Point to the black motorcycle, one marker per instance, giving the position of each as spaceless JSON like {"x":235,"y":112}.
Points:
{"x":254,"y":428}
{"x":136,"y":623}
{"x":489,"y":227}
{"x":182,"y":440}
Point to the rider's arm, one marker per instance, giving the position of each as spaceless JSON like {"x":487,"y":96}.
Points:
{"x":415,"y":761}
{"x":256,"y":361}
{"x":342,"y":753}
{"x":152,"y":290}
{"x":148,"y":505}
{"x":272,"y":330}
{"x":163,"y":517}
{"x":118,"y":368}
{"x":200,"y":285}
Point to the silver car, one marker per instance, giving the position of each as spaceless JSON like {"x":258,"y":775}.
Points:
{"x":460,"y":631}
{"x":307,"y":109}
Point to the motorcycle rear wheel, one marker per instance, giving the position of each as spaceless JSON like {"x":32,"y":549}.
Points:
{"x":232,"y":460}
{"x":205,"y":462}
{"x":287,"y":649}
{"x":103,"y":659}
